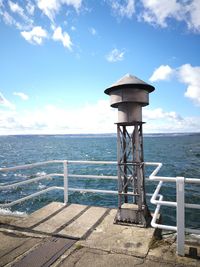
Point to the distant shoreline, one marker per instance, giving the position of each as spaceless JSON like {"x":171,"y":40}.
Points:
{"x":101,"y":135}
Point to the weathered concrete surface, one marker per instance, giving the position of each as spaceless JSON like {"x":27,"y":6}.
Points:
{"x":86,"y":257}
{"x":103,"y":243}
{"x":9,"y":219}
{"x":84,"y":223}
{"x":62,"y":218}
{"x":12,"y":247}
{"x":82,"y":256}
{"x":119,"y":238}
{"x":39,"y":215}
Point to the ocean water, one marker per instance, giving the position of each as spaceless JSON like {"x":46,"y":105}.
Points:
{"x":180,"y":155}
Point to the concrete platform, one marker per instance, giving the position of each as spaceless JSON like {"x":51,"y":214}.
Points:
{"x":78,"y":235}
{"x":120,"y":238}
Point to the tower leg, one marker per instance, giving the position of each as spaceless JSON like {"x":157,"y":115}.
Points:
{"x":132,"y":208}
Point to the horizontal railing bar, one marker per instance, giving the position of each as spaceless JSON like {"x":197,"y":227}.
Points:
{"x":192,"y":231}
{"x":192,"y":206}
{"x":166,"y":227}
{"x":173,"y":179}
{"x":163,"y":179}
{"x":128,"y":194}
{"x":32,"y":180}
{"x":91,"y":162}
{"x":31,"y":196}
{"x":165,"y":203}
{"x":93,"y":190}
{"x":151,"y":177}
{"x":29,"y":166}
{"x":131,"y":163}
{"x":92,"y":176}
{"x":192,"y":180}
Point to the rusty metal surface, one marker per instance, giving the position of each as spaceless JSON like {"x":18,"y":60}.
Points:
{"x":131,"y":178}
{"x":46,"y":254}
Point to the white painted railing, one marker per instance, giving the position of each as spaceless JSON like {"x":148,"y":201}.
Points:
{"x":65,"y":176}
{"x":180,"y":205}
{"x":156,"y":198}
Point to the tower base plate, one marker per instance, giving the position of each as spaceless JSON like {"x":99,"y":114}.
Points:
{"x":130,"y":214}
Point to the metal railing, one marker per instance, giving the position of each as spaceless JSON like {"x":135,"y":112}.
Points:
{"x":156,"y":197}
{"x":180,"y":205}
{"x":65,"y":176}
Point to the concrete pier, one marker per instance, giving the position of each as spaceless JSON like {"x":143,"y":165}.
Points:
{"x":79,"y":235}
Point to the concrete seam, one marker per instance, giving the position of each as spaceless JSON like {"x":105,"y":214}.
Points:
{"x":70,"y":221}
{"x":96,"y":224}
{"x":50,"y":216}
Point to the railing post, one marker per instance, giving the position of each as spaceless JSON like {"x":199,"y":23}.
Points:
{"x":180,"y":215}
{"x":65,"y":181}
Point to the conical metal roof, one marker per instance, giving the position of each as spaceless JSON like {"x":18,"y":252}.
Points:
{"x":130,"y":81}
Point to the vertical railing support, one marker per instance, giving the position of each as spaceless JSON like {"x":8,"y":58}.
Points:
{"x":65,"y":167}
{"x":180,"y":215}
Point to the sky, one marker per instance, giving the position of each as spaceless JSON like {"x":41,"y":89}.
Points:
{"x":58,"y":56}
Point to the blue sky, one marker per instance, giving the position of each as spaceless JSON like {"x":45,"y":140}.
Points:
{"x":58,"y":56}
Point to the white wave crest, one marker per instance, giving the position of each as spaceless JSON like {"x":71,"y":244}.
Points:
{"x":40,"y":173}
{"x":12,"y":213}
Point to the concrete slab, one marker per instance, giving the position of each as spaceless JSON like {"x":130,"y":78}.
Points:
{"x":10,"y":219}
{"x":84,"y":223}
{"x":98,"y":258}
{"x":62,"y":218}
{"x":119,"y":238}
{"x":39,"y":215}
{"x":104,"y":244}
{"x":12,"y":247}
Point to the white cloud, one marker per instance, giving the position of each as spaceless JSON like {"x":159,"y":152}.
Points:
{"x":164,"y":72}
{"x":186,"y":74}
{"x":126,"y":9}
{"x":158,"y":12}
{"x":16,"y":8}
{"x":92,"y":31}
{"x":7,"y":18}
{"x":35,"y":36}
{"x":51,"y":7}
{"x":187,"y":125}
{"x":158,"y":113}
{"x":115,"y":55}
{"x":160,"y":121}
{"x":191,"y":76}
{"x":75,"y":3}
{"x":194,"y":14}
{"x":63,"y":37}
{"x":93,"y":118}
{"x":30,"y":8}
{"x":21,"y":95}
{"x":5,"y":103}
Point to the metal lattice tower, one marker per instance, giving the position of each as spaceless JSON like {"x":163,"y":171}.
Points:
{"x":129,"y":95}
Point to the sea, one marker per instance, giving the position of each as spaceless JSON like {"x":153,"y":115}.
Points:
{"x":179,"y":153}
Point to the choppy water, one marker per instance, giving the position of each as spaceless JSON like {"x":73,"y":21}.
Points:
{"x":180,"y":155}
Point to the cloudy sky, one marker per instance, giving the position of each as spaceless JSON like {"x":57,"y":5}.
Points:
{"x":58,"y":56}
